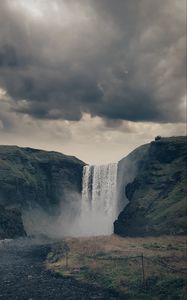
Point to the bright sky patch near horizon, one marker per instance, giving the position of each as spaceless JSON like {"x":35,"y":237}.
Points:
{"x":91,"y":78}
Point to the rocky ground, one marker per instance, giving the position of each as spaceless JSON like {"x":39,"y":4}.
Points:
{"x":23,"y":275}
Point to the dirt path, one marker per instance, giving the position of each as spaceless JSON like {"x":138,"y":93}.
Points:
{"x":23,"y":276}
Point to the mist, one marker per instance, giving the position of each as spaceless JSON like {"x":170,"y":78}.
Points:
{"x":71,"y":220}
{"x":90,"y":214}
{"x":126,"y":173}
{"x":39,"y":222}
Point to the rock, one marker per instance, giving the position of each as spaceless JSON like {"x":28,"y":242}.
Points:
{"x":11,"y":225}
{"x":157,"y":193}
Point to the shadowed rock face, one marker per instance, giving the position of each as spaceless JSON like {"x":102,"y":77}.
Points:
{"x":156,"y":195}
{"x":11,"y":225}
{"x":31,"y":178}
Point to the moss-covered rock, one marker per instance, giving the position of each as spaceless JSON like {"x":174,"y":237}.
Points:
{"x":157,"y":195}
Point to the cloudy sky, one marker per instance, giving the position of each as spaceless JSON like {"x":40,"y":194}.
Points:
{"x":91,"y":78}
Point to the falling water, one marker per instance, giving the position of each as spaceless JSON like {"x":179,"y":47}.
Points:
{"x":99,"y":198}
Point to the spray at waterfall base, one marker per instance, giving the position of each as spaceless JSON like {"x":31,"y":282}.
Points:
{"x":89,"y":214}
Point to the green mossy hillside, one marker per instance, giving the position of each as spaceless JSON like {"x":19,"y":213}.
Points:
{"x":30,"y":177}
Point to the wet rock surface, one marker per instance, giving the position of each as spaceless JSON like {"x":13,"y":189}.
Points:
{"x":23,"y":275}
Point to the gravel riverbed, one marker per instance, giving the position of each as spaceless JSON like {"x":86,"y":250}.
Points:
{"x":23,"y":275}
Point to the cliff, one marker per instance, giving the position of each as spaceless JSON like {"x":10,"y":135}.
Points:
{"x":31,"y":178}
{"x":157,"y":193}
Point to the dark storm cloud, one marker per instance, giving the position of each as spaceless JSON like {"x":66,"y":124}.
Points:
{"x":121,"y":60}
{"x":8,"y":57}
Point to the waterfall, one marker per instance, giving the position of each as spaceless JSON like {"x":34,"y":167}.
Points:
{"x":99,"y":198}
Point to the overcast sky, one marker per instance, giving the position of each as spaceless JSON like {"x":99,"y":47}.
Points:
{"x":91,"y":78}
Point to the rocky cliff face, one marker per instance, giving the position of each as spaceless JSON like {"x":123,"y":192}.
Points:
{"x":31,"y":178}
{"x":11,"y":225}
{"x":156,"y":195}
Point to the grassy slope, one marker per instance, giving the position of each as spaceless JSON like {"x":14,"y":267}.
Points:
{"x":21,"y":161}
{"x":28,"y":175}
{"x":115,"y":263}
{"x":158,"y":193}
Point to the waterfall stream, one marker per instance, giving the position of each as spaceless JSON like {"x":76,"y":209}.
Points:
{"x":99,"y":197}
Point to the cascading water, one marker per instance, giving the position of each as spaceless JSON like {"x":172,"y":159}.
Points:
{"x":99,"y":198}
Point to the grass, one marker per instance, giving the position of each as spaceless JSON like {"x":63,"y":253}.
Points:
{"x":115,"y":263}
